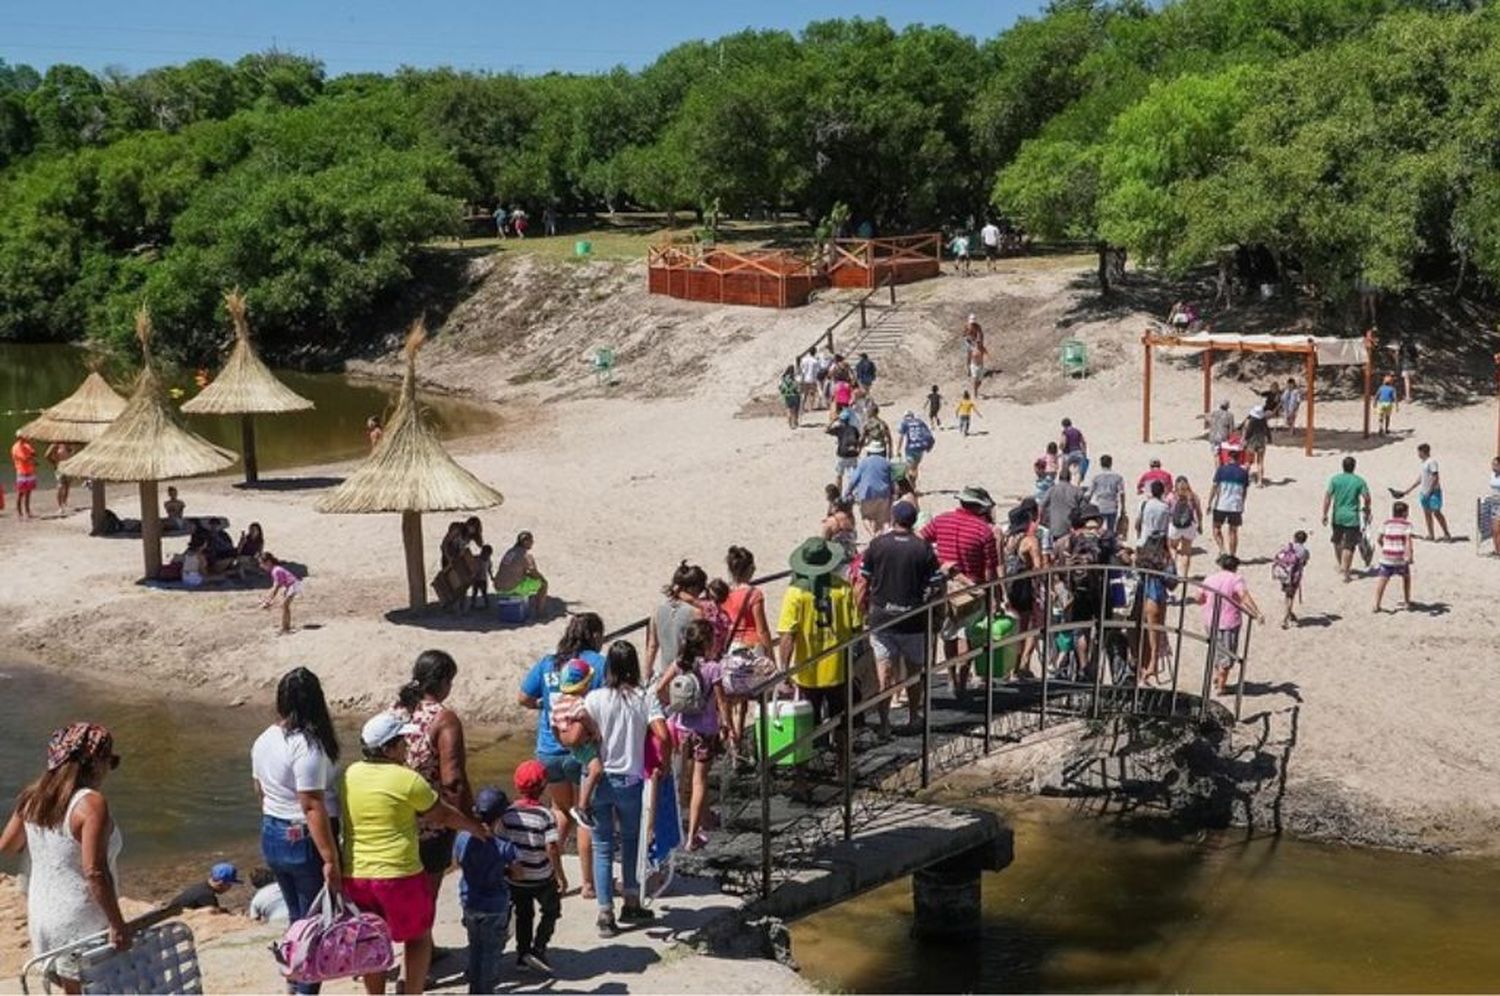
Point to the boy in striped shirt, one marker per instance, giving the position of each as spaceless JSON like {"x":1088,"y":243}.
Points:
{"x":536,"y":876}
{"x":1396,"y":551}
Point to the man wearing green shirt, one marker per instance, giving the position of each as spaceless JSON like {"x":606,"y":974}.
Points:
{"x":1348,"y":496}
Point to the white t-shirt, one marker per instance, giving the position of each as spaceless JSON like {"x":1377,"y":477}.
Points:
{"x":622,"y":717}
{"x":269,"y":905}
{"x":990,"y":234}
{"x":809,"y":369}
{"x":1429,"y":475}
{"x":288,"y":763}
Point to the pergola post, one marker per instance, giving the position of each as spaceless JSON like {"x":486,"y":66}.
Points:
{"x":1208,"y":375}
{"x":411,"y":540}
{"x":1312,"y":376}
{"x":150,"y":529}
{"x":1369,"y":375}
{"x":1146,"y":392}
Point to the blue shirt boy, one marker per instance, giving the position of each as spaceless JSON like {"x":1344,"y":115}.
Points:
{"x":484,"y":887}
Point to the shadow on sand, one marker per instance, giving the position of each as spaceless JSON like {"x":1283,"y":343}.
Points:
{"x":313,"y":483}
{"x":476,"y":620}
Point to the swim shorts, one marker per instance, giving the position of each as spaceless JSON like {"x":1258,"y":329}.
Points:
{"x":1432,"y":501}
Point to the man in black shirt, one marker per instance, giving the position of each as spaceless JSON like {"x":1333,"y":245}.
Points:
{"x":898,"y":571}
{"x":205,"y":895}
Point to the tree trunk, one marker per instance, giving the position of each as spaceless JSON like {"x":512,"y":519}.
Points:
{"x":1104,"y":287}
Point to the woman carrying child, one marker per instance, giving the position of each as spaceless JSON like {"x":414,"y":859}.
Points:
{"x":693,"y":697}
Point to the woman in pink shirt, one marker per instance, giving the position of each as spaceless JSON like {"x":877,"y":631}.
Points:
{"x":1226,"y":596}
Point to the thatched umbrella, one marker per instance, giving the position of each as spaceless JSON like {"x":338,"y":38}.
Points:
{"x":147,"y":444}
{"x":245,"y":387}
{"x":410,"y":473}
{"x":81,"y":417}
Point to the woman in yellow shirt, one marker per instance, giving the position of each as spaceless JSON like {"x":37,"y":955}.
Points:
{"x":382,"y":799}
{"x":817,"y":614}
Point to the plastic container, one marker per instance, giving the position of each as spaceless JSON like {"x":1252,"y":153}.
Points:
{"x":511,"y":609}
{"x":788,"y":721}
{"x":1002,"y":660}
{"x":582,"y":247}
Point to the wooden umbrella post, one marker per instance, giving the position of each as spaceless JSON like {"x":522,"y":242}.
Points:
{"x":247,"y":448}
{"x":1208,"y":377}
{"x":1369,"y":374}
{"x":1146,"y":392}
{"x":1312,"y":377}
{"x":411,"y":540}
{"x":150,"y":529}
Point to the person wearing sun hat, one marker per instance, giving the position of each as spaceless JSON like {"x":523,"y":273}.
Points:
{"x":1256,"y":431}
{"x":63,"y":824}
{"x":817,"y":614}
{"x":873,"y":484}
{"x":964,"y":539}
{"x":381,"y":799}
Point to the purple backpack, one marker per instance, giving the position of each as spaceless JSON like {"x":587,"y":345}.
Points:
{"x":334,"y":941}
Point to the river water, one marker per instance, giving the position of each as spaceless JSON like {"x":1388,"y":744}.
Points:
{"x":1087,"y":907}
{"x":35,"y":376}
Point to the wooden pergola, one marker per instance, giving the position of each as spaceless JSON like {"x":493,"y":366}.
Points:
{"x":1315,"y":350}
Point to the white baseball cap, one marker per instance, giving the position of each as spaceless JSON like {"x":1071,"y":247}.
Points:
{"x":384,"y":727}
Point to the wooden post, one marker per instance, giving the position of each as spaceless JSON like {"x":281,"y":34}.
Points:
{"x":1369,"y":375}
{"x":1208,"y":378}
{"x":150,"y":529}
{"x":416,"y":571}
{"x":1146,"y":392}
{"x":1312,"y":376}
{"x":247,"y":448}
{"x":97,"y":515}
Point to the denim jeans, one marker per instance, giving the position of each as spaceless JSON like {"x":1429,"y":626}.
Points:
{"x":486,"y":944}
{"x":527,"y":898}
{"x":617,"y":797}
{"x":298,"y":868}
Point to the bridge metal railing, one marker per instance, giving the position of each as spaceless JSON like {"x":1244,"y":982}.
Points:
{"x":1097,"y":662}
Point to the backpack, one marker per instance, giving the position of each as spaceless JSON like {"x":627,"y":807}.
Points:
{"x":1182,"y":513}
{"x":848,"y":445}
{"x":1020,"y":594}
{"x":919,"y":438}
{"x":1286,"y":565}
{"x":686,"y":695}
{"x":1082,"y":550}
{"x":1152,"y":556}
{"x":334,"y":941}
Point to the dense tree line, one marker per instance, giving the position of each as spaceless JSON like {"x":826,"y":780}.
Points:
{"x":1341,"y":141}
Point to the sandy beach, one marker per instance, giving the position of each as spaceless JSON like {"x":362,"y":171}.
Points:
{"x":684,"y":455}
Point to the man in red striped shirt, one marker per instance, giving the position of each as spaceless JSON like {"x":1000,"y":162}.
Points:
{"x":965,"y":543}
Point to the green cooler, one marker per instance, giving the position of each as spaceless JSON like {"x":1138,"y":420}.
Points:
{"x":1002,"y":660}
{"x":788,"y":721}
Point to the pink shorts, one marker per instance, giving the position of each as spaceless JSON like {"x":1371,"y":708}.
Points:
{"x":25,"y":484}
{"x":405,"y":904}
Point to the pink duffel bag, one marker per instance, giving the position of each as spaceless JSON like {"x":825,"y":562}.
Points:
{"x":334,"y":941}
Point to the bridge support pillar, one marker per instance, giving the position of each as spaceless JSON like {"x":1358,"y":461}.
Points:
{"x":947,"y":897}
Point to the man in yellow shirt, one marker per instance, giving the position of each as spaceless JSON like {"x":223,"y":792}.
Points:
{"x":382,"y":799}
{"x":817,"y":614}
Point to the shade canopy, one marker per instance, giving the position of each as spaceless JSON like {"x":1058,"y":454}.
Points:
{"x":410,"y":471}
{"x":246,"y":385}
{"x":1330,"y":350}
{"x":147,"y":442}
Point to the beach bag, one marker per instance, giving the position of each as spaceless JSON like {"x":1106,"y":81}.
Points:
{"x":686,"y":695}
{"x":1286,"y":566}
{"x":919,"y":438}
{"x":335,"y":942}
{"x":744,"y":669}
{"x":1366,"y":548}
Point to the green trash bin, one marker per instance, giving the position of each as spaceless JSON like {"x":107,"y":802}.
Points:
{"x":582,"y":247}
{"x":1001,"y":660}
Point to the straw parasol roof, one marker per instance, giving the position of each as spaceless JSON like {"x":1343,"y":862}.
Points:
{"x":95,"y":403}
{"x":410,"y":471}
{"x":147,"y":442}
{"x":246,"y":385}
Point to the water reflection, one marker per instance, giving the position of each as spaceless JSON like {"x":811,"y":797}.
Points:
{"x":1086,"y":908}
{"x":35,"y":376}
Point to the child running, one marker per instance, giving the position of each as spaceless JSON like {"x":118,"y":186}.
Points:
{"x":935,"y":407}
{"x":1396,"y":554}
{"x":573,"y":730}
{"x":283,"y":582}
{"x":1286,"y":570}
{"x":536,"y":875}
{"x":966,"y":409}
{"x":484,"y":893}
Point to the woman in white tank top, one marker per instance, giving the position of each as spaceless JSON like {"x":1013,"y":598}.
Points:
{"x":62,"y":821}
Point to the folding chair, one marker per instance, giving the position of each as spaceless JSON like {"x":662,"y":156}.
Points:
{"x":1074,"y":358}
{"x":161,"y":959}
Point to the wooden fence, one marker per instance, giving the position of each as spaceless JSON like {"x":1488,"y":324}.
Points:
{"x":869,"y":262}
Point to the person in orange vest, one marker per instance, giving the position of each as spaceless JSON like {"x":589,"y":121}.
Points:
{"x":23,"y":456}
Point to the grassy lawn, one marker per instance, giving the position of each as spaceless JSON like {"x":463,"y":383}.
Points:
{"x":627,"y":237}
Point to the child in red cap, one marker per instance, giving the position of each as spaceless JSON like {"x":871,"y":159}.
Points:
{"x":536,"y":875}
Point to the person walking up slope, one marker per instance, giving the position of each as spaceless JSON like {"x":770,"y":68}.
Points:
{"x":1396,"y":554}
{"x":1346,"y":498}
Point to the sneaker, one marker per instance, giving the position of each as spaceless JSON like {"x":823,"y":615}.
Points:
{"x":606,"y":924}
{"x":583,"y":817}
{"x":636,"y":913}
{"x":534,"y":959}
{"x":521,"y":965}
